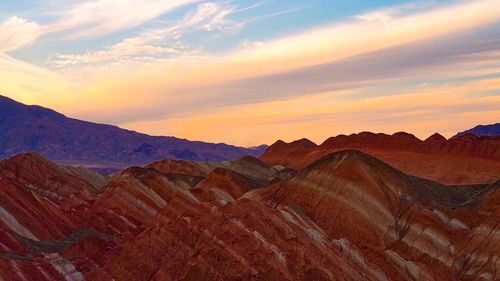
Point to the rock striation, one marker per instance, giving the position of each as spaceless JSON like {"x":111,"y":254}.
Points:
{"x":466,"y":159}
{"x":402,"y":224}
{"x":44,"y":229}
{"x":346,"y":216}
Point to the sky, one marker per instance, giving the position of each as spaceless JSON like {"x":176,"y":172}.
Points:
{"x":251,"y":72}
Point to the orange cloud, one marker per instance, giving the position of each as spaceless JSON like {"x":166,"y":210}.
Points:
{"x":446,"y":109}
{"x":31,"y":84}
{"x":318,"y":83}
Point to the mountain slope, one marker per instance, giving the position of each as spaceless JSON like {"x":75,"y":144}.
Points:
{"x":427,"y":230}
{"x":34,"y":128}
{"x":482,"y":130}
{"x":45,"y":231}
{"x":347,"y":216}
{"x":465,"y":159}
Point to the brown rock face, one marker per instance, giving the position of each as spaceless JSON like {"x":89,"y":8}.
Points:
{"x":395,"y":218}
{"x":247,"y":166}
{"x":44,"y":227}
{"x":227,"y":185}
{"x":62,"y":186}
{"x":347,"y":216}
{"x":170,"y":166}
{"x":466,"y":159}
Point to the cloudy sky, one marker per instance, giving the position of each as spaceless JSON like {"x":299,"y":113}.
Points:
{"x":252,"y":72}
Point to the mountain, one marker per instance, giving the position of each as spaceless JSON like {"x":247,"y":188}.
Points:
{"x":466,"y":159}
{"x":482,"y":130}
{"x":398,"y":226}
{"x":346,"y":216}
{"x":33,"y":128}
{"x":44,"y":226}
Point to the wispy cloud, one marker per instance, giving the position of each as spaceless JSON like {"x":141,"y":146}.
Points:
{"x":279,"y":13}
{"x":353,"y":37}
{"x":94,"y":18}
{"x":387,"y":14}
{"x":346,"y":56}
{"x":444,"y":109}
{"x":384,"y":70}
{"x":214,"y":17}
{"x":159,"y":43}
{"x":86,"y":19}
{"x":17,"y":32}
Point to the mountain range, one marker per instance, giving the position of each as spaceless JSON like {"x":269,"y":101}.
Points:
{"x":464,"y":159}
{"x":346,"y":216}
{"x":108,"y":148}
{"x":482,"y":130}
{"x":359,"y":207}
{"x":36,"y":129}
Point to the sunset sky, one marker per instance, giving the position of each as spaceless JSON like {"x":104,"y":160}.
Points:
{"x":252,"y":72}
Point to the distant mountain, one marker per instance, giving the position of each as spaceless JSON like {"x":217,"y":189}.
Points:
{"x":26,"y":128}
{"x":482,"y":130}
{"x":466,"y":159}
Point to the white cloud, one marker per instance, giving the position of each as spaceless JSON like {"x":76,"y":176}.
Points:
{"x":388,"y":14}
{"x":345,"y":55}
{"x":246,"y":43}
{"x":93,"y":18}
{"x":17,"y":32}
{"x":379,"y":53}
{"x":209,"y":16}
{"x":86,"y":19}
{"x":215,"y":17}
{"x":376,"y":16}
{"x":160,"y":42}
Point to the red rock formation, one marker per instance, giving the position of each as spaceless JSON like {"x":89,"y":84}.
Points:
{"x":133,"y":198}
{"x":347,"y":216}
{"x":43,"y":221}
{"x":244,"y":240}
{"x":248,"y":166}
{"x":226,"y":185}
{"x":395,"y":219}
{"x":288,"y":154}
{"x":63,"y":187}
{"x":169,"y":166}
{"x":463,"y":160}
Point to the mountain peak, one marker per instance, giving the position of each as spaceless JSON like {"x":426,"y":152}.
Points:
{"x":482,"y":130}
{"x":408,"y":153}
{"x":31,"y":160}
{"x":304,"y":142}
{"x":435,"y":138}
{"x":333,"y":160}
{"x":406,"y":136}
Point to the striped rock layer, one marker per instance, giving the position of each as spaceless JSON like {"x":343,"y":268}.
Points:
{"x":346,"y":216}
{"x":466,"y":159}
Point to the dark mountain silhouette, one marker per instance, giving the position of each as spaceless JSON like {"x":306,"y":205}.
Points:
{"x":26,"y":128}
{"x":482,"y":130}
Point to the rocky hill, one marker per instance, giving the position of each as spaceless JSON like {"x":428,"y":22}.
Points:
{"x":482,"y":130}
{"x":346,"y":216}
{"x":465,"y":159}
